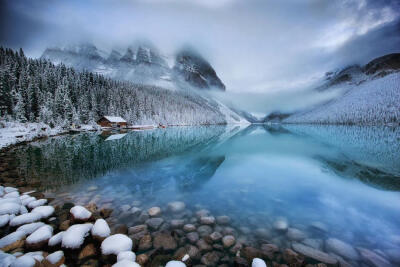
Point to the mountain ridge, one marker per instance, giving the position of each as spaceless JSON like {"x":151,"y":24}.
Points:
{"x":140,"y":63}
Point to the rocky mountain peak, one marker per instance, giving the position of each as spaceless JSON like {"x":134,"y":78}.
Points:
{"x":196,"y":71}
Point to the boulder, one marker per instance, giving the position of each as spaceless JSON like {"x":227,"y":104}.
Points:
{"x":154,"y":223}
{"x":215,"y":236}
{"x":281,"y":224}
{"x":208,"y":220}
{"x":342,"y":249}
{"x":228,"y":241}
{"x":154,"y":211}
{"x":314,"y":254}
{"x":193,"y":237}
{"x":211,"y":258}
{"x":164,"y":241}
{"x":292,"y":258}
{"x":373,"y":259}
{"x":176,"y":206}
{"x":189,"y":228}
{"x":204,"y":230}
{"x":294,"y":234}
{"x":145,"y":243}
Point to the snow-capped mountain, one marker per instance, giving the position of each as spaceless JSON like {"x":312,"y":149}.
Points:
{"x":141,"y":63}
{"x":370,"y":95}
{"x":191,"y":67}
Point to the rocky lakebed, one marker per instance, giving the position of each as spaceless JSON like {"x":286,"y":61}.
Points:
{"x":40,"y":229}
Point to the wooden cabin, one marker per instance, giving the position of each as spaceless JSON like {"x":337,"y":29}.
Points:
{"x":112,"y":122}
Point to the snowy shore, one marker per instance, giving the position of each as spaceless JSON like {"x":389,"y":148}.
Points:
{"x":12,"y":133}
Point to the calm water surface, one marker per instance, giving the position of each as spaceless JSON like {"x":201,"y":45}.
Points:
{"x":345,"y":179}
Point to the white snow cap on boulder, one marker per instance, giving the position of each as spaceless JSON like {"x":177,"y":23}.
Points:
{"x":11,"y":238}
{"x":46,"y":211}
{"x":24,"y":261}
{"x":101,"y":228}
{"x":80,"y":213}
{"x":257,"y":262}
{"x":56,"y":239}
{"x":75,"y":235}
{"x":6,"y":259}
{"x":44,"y":233}
{"x":126,"y":263}
{"x":126,"y":255}
{"x":55,"y":257}
{"x":4,"y":219}
{"x":26,"y":218}
{"x":115,"y":244}
{"x":30,"y":227}
{"x":9,"y":208}
{"x":175,"y":264}
{"x":37,"y":203}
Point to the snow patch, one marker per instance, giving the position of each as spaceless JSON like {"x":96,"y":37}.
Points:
{"x":43,"y":233}
{"x":80,"y":213}
{"x":101,"y":228}
{"x":45,"y":211}
{"x":75,"y":235}
{"x":30,"y":227}
{"x":115,"y":244}
{"x":26,"y":218}
{"x":126,"y":255}
{"x":175,"y":264}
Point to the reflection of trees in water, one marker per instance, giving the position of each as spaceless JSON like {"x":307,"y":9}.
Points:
{"x":66,"y":159}
{"x":369,"y":154}
{"x":368,"y":175}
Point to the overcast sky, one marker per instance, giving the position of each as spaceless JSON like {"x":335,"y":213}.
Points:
{"x":256,"y":46}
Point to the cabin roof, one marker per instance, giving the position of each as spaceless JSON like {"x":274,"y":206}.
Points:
{"x":114,"y":119}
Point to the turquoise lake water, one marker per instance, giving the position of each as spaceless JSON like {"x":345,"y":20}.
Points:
{"x":346,"y":179}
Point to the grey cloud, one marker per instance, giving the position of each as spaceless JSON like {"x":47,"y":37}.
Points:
{"x":256,"y":46}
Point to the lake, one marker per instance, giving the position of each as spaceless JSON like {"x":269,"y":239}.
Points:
{"x":323,"y":182}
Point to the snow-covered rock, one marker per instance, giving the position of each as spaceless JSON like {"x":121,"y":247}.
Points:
{"x":37,"y":255}
{"x":28,"y":200}
{"x":24,"y":261}
{"x":126,"y":255}
{"x":115,"y":244}
{"x":80,"y":213}
{"x":257,"y":262}
{"x":23,"y":210}
{"x":175,"y":264}
{"x":56,"y":258}
{"x":14,"y":239}
{"x":37,"y":203}
{"x":75,"y":235}
{"x":4,"y":219}
{"x":101,"y":229}
{"x":13,"y":194}
{"x":9,"y":208}
{"x":30,"y":227}
{"x":6,"y":259}
{"x":45,"y":211}
{"x":40,"y":237}
{"x":126,"y":263}
{"x":26,"y":218}
{"x":56,"y":239}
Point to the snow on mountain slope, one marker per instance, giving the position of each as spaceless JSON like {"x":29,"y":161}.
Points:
{"x":231,"y":117}
{"x":374,"y":101}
